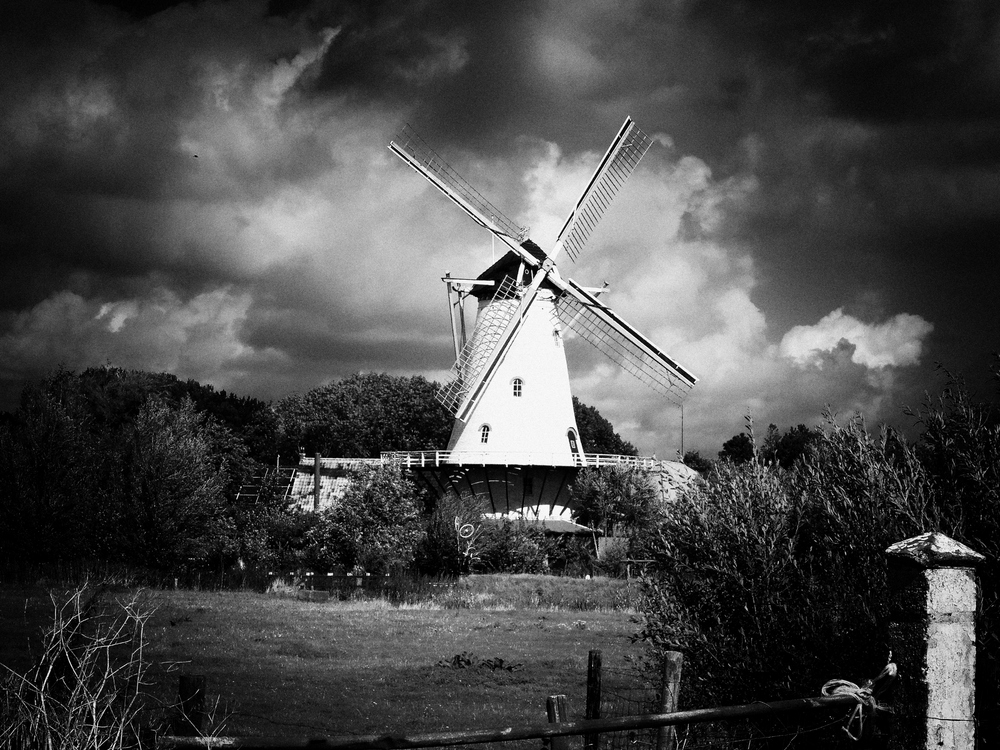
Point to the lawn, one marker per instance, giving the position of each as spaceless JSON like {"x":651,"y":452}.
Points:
{"x":282,"y":666}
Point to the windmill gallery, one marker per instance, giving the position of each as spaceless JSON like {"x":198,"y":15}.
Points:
{"x":515,"y":439}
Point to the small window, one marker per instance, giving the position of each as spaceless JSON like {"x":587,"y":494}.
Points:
{"x":517,"y":386}
{"x":484,"y":434}
{"x":573,"y":445}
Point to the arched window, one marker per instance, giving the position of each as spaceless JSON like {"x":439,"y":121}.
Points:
{"x":517,"y":387}
{"x":484,"y":434}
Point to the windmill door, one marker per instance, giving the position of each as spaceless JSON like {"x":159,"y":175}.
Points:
{"x":574,"y":447}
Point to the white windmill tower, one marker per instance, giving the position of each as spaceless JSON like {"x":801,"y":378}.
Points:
{"x":515,"y":439}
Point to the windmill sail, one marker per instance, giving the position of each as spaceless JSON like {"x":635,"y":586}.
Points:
{"x":624,"y":154}
{"x":595,"y":322}
{"x":490,"y":327}
{"x":414,"y":151}
{"x":500,"y":320}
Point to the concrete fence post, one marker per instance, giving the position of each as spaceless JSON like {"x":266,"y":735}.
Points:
{"x":932,"y":634}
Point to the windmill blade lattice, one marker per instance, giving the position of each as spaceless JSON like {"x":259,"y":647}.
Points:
{"x":490,"y":326}
{"x":592,"y":321}
{"x":417,"y":149}
{"x":611,"y":174}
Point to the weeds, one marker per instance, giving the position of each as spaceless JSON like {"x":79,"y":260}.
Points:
{"x":540,"y":592}
{"x":86,"y":688}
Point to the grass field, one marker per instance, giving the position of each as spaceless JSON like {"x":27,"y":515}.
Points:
{"x":277,"y":665}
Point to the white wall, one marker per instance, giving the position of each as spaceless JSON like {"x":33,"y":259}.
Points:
{"x":535,"y":425}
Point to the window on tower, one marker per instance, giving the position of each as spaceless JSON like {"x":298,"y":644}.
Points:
{"x":484,"y":434}
{"x":517,"y":386}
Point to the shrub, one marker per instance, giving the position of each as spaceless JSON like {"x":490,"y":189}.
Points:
{"x":507,"y":546}
{"x":451,"y":544}
{"x":376,"y":525}
{"x":772,"y":579}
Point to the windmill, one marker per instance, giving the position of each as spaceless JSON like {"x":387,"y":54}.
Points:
{"x":515,"y":439}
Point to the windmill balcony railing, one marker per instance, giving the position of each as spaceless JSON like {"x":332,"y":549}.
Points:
{"x":430,"y":459}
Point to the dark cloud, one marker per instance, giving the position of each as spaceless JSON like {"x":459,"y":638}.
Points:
{"x":204,"y":186}
{"x":878,"y":61}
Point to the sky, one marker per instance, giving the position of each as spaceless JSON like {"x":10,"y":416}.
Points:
{"x":205,"y":189}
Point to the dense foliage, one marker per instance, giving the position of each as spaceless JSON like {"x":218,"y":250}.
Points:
{"x":696,"y":461}
{"x":619,"y":501}
{"x":772,"y":579}
{"x":450,"y":545}
{"x":511,"y":546}
{"x":363,"y":415}
{"x":123,"y":466}
{"x":597,"y":434}
{"x":377,"y":525}
{"x":777,"y":448}
{"x":145,"y":470}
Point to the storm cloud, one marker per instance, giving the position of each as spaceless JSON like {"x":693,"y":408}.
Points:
{"x":205,"y":188}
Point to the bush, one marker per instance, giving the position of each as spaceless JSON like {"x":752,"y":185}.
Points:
{"x":376,"y":525}
{"x":451,"y":543}
{"x":507,"y":546}
{"x":773,"y":580}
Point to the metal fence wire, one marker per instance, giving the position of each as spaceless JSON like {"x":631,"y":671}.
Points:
{"x":630,"y":691}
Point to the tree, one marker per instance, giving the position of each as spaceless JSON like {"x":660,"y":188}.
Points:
{"x":597,"y":434}
{"x":695,"y":460}
{"x":108,"y":465}
{"x":511,"y":546}
{"x":174,"y":487}
{"x":739,"y":449}
{"x":51,"y":466}
{"x":363,"y":415}
{"x":377,"y":525}
{"x":785,"y":450}
{"x":114,"y":396}
{"x":619,"y":501}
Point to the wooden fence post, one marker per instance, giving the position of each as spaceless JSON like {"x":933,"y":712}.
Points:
{"x":932,"y":632}
{"x":191,"y":694}
{"x":670,"y":688}
{"x":558,"y":712}
{"x":593,"y":741}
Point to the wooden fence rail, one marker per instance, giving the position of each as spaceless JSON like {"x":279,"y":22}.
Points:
{"x":826,"y":704}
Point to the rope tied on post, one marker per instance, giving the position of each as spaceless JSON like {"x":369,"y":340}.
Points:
{"x":867,"y":696}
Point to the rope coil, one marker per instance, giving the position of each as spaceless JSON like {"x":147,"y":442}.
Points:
{"x":867,"y":697}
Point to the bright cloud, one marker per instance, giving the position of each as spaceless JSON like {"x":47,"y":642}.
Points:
{"x":674,"y":277}
{"x":196,"y":338}
{"x":896,"y":343}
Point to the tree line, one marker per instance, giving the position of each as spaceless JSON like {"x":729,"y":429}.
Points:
{"x":131,"y":467}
